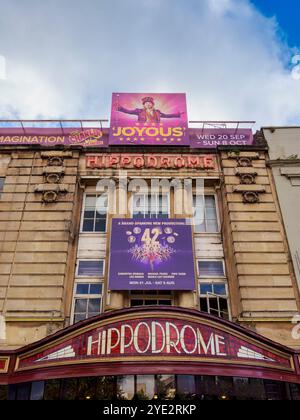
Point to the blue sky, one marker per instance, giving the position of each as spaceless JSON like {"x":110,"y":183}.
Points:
{"x":229,"y":56}
{"x":287,"y":13}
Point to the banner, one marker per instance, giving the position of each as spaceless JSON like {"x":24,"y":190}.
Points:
{"x":157,"y":119}
{"x":151,"y":254}
{"x":53,"y":137}
{"x":211,"y":138}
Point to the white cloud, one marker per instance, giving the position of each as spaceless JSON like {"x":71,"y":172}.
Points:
{"x":220,"y":6}
{"x":2,"y":68}
{"x":65,"y":61}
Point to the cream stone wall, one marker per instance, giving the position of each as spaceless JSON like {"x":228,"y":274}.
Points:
{"x":262,"y":276}
{"x":40,"y":244}
{"x":35,"y":243}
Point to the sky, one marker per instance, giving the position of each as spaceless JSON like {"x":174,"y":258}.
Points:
{"x":287,"y":14}
{"x":233,"y":58}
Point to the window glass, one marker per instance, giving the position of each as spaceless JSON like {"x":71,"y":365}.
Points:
{"x":137,"y":302}
{"x":219,"y":289}
{"x":211,"y":268}
{"x":206,"y":288}
{"x":94,"y":307}
{"x":2,"y":180}
{"x":82,"y":289}
{"x":37,"y":390}
{"x":151,"y":302}
{"x":89,"y":289}
{"x":79,"y":317}
{"x":23,"y":391}
{"x":106,"y":388}
{"x":69,"y":389}
{"x":3,"y":392}
{"x":125,"y":386}
{"x":80,"y":305}
{"x":150,"y":206}
{"x":94,"y":214}
{"x":52,"y":390}
{"x":90,"y":268}
{"x":12,"y":392}
{"x":186,"y":389}
{"x":95,"y":289}
{"x":145,"y":387}
{"x":165,"y":387}
{"x":206,"y":219}
{"x":87,"y":388}
{"x":165,"y":302}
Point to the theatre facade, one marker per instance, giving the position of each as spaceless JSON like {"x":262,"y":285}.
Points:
{"x":144,"y":261}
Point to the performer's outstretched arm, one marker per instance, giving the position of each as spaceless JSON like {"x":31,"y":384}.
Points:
{"x":128,"y":111}
{"x":178,"y":115}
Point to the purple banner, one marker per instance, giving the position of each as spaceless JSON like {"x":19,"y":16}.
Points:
{"x":53,"y":137}
{"x":158,"y":119}
{"x":212,"y":138}
{"x":151,"y":254}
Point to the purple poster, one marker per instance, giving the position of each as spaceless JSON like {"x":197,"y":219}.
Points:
{"x":151,"y":254}
{"x":85,"y":137}
{"x":157,"y":119}
{"x":211,"y":138}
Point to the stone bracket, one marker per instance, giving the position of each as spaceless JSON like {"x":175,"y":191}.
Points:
{"x":293,"y":174}
{"x":59,"y":188}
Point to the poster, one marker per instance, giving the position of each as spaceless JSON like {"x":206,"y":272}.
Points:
{"x":157,"y":119}
{"x":93,"y":137}
{"x":211,"y":138}
{"x":151,"y":254}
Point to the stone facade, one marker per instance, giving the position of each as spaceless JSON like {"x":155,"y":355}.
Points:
{"x":40,"y":241}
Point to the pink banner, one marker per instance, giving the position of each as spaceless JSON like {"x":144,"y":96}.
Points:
{"x":157,"y":119}
{"x":53,"y":137}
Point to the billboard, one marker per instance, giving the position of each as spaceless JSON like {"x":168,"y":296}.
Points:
{"x":151,"y":254}
{"x":158,"y":119}
{"x":211,"y":138}
{"x":53,"y":137}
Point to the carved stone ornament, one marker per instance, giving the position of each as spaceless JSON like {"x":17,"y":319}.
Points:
{"x":250,"y":197}
{"x":55,"y":161}
{"x":248,"y":179}
{"x":244,"y":161}
{"x":53,"y":178}
{"x":50,"y":196}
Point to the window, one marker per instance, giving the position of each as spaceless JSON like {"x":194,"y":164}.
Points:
{"x":37,"y":390}
{"x":94,"y":218}
{"x":150,"y":206}
{"x":1,"y":185}
{"x":206,"y":219}
{"x":214,"y":299}
{"x":90,"y":268}
{"x":87,"y":300}
{"x":213,"y":289}
{"x":151,"y":298}
{"x":145,"y":387}
{"x":211,"y":268}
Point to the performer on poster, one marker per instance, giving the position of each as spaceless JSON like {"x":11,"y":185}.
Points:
{"x":148,"y":114}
